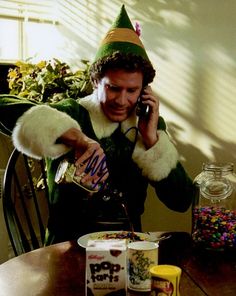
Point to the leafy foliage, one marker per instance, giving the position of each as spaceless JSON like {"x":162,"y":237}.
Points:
{"x":49,"y":81}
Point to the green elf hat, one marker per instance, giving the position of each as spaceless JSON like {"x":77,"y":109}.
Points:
{"x":121,"y":37}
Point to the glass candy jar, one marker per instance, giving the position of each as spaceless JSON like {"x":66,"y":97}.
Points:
{"x":214,"y":211}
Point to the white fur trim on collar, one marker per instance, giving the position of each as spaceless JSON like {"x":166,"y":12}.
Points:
{"x":37,"y":130}
{"x":102,"y":126}
{"x":156,"y":162}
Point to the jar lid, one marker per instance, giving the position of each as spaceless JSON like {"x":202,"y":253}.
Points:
{"x":165,"y":270}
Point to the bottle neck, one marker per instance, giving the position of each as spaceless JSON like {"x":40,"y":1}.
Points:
{"x":218,"y":169}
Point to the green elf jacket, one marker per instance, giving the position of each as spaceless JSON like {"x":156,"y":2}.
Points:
{"x":35,"y":128}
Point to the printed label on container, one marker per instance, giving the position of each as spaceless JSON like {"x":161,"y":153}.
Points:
{"x":106,"y":267}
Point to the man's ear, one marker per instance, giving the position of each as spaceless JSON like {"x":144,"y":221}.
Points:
{"x":95,"y":83}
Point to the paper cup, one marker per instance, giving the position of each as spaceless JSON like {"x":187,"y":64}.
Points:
{"x":165,"y":280}
{"x":141,"y":257}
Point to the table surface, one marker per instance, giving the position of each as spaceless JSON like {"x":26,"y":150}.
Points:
{"x":60,"y":270}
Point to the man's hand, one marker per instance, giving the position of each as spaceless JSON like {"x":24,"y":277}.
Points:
{"x":90,"y":158}
{"x":148,"y":124}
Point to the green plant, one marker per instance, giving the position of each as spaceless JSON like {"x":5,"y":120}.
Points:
{"x":49,"y":81}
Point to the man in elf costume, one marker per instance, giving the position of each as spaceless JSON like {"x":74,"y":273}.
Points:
{"x":116,"y":153}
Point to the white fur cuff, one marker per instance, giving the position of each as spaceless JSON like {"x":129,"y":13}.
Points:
{"x":156,"y":162}
{"x":37,"y":130}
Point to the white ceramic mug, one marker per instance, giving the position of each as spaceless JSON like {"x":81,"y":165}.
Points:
{"x":141,"y":257}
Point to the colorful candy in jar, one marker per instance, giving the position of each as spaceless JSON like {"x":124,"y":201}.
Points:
{"x":214,"y":227}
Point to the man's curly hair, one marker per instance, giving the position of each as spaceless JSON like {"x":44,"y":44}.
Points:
{"x":125,"y":61}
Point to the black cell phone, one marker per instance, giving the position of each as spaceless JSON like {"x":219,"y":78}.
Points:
{"x":141,"y":109}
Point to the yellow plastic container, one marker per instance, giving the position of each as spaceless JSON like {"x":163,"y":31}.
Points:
{"x":165,"y":280}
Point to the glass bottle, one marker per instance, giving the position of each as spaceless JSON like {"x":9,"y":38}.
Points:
{"x":214,"y":210}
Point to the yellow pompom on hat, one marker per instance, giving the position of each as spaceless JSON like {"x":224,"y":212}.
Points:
{"x":121,"y":37}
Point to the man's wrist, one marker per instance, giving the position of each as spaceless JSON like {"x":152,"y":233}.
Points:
{"x":70,"y":137}
{"x":151,"y":142}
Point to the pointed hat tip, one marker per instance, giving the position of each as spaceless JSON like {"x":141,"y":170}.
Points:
{"x":121,"y":37}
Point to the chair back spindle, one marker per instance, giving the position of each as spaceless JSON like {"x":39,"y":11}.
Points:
{"x":25,"y":202}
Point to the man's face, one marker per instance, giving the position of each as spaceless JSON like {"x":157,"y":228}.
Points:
{"x":118,"y":92}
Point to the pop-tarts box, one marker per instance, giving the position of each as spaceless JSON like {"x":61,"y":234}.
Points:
{"x":106,"y":267}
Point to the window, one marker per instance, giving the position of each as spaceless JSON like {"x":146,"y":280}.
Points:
{"x":10,"y":40}
{"x":26,"y":28}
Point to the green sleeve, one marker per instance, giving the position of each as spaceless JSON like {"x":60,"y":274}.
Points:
{"x":176,"y":191}
{"x":11,"y":108}
{"x":161,"y":124}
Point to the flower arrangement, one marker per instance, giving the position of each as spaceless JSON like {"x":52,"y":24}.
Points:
{"x":49,"y":81}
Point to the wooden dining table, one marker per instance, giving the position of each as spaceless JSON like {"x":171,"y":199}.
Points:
{"x":59,"y":270}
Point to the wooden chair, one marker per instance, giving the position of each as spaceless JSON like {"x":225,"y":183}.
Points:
{"x":25,"y":202}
